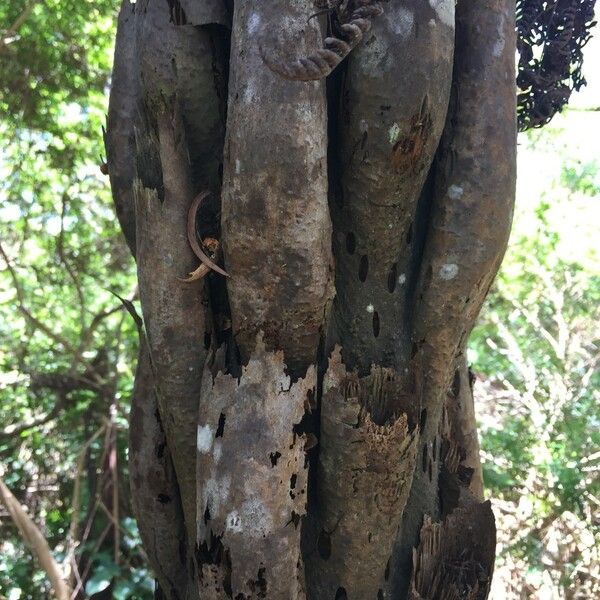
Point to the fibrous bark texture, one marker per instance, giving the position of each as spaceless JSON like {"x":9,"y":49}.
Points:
{"x":364,"y":476}
{"x":304,"y":428}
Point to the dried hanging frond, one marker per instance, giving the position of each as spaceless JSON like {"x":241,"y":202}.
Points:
{"x":551,"y":37}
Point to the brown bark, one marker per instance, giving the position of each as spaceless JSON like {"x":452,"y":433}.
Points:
{"x":469,"y":225}
{"x":177,"y":75}
{"x":393,"y":104}
{"x":420,"y":195}
{"x":276,"y":227}
{"x":154,"y":491}
{"x":364,"y":476}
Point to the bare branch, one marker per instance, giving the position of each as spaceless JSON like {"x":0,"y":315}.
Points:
{"x":34,"y":539}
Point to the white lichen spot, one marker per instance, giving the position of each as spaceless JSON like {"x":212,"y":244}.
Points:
{"x":455,"y":192}
{"x":394,"y":133}
{"x":217,"y":451}
{"x":432,"y":23}
{"x":216,"y":491}
{"x":253,"y":23}
{"x":444,"y":9}
{"x":500,"y":42}
{"x":364,"y":126}
{"x":401,"y":21}
{"x":234,"y":522}
{"x":448,"y":271}
{"x":204,"y":438}
{"x":238,"y":167}
{"x":256,"y":517}
{"x":370,"y":309}
{"x":402,"y":279}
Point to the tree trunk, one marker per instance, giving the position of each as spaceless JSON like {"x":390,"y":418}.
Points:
{"x":303,"y":427}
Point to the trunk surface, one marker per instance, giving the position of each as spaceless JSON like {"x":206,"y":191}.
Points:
{"x":303,"y":427}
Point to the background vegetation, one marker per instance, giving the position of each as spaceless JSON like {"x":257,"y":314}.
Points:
{"x":67,"y":347}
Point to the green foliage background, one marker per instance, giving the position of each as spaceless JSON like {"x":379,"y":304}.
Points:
{"x":535,"y":350}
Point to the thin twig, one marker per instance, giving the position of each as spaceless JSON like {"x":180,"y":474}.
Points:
{"x":25,"y":311}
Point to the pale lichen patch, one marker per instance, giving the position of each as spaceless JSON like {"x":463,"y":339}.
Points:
{"x":394,"y":133}
{"x":448,"y":271}
{"x":444,"y":9}
{"x":455,"y":192}
{"x":204,"y":438}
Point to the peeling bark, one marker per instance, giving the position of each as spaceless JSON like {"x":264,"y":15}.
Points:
{"x":252,"y":481}
{"x":276,"y":227}
{"x":460,"y":429}
{"x":154,"y":492}
{"x":365,"y":472}
{"x":455,"y":559}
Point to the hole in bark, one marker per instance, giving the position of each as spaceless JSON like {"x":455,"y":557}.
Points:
{"x":221,"y":173}
{"x":206,"y":515}
{"x":376,"y":324}
{"x":392,"y":278}
{"x":363,"y":140}
{"x":409,"y":235}
{"x":295,"y":519}
{"x":435,"y":448}
{"x":456,"y":384}
{"x":430,"y":471}
{"x":379,"y":594}
{"x":220,"y":426}
{"x":350,"y":242}
{"x":178,"y":16}
{"x":424,"y":458}
{"x":213,"y":552}
{"x":293,"y":480}
{"x":164,"y":498}
{"x":274,"y":456}
{"x":414,"y":349}
{"x":324,"y":545}
{"x":341,"y":594}
{"x":207,"y":340}
{"x":386,"y":574}
{"x":363,"y":268}
{"x":423,"y":419}
{"x":428,"y":277}
{"x":257,"y":586}
{"x":160,"y":450}
{"x":182,"y":551}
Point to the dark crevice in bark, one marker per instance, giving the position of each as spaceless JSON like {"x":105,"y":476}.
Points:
{"x":467,"y":234}
{"x":152,"y":480}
